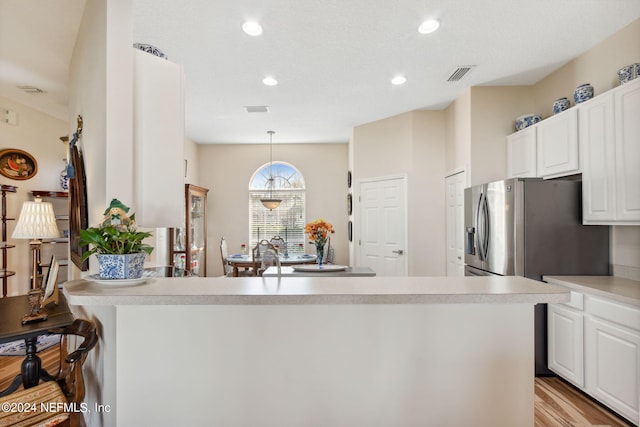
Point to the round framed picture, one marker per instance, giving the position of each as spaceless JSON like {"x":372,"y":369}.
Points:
{"x":349,"y":204}
{"x":349,"y":179}
{"x":17,"y":164}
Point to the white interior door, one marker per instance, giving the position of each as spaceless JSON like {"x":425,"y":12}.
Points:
{"x":383,"y":225}
{"x":455,"y":185}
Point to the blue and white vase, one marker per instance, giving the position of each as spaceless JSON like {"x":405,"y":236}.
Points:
{"x":560,"y":105}
{"x":64,"y":177}
{"x":127,"y":266}
{"x":583,"y":93}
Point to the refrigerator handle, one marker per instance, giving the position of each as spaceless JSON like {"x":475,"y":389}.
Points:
{"x":486,"y":230}
{"x":480,"y":227}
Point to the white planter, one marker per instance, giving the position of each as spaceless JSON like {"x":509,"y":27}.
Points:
{"x":129,"y":266}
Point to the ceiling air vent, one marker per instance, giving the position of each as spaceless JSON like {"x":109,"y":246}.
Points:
{"x":256,"y":109}
{"x":459,"y":73}
{"x":31,"y":89}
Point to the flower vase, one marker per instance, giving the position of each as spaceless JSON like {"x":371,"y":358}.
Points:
{"x":320,"y":255}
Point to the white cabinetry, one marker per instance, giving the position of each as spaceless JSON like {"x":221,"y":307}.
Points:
{"x":548,"y":149}
{"x":609,"y":131}
{"x":566,"y":339}
{"x":521,"y":153}
{"x":612,"y":355}
{"x":557,"y":145}
{"x":598,"y":349}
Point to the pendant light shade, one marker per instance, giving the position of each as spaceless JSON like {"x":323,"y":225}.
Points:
{"x":270,"y":202}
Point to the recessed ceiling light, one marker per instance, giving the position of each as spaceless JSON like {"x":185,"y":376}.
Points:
{"x":398,"y":80}
{"x":252,"y":28}
{"x":429,"y":26}
{"x":269,"y":81}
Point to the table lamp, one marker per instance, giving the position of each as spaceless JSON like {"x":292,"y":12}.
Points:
{"x":36,"y":221}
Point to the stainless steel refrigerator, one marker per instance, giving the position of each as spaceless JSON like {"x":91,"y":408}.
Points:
{"x":531,"y":228}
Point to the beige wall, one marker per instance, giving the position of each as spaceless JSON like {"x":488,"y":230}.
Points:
{"x":493,"y":110}
{"x":38,"y":134}
{"x":598,"y":66}
{"x":413,"y":144}
{"x":458,"y":137}
{"x":227,"y":169}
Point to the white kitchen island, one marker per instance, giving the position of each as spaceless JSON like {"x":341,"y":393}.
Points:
{"x":312,"y":351}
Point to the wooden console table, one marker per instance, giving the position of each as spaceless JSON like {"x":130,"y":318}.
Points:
{"x":11,"y":329}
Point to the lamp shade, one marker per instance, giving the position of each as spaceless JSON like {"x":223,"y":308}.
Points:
{"x":36,"y":221}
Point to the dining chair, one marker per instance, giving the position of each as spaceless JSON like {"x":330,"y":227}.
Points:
{"x":264,"y":255}
{"x":64,"y":392}
{"x":226,"y":267}
{"x":280,"y":244}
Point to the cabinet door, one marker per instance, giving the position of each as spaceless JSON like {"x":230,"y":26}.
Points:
{"x":565,"y":343}
{"x":612,"y":359}
{"x":557,"y":145}
{"x":627,"y":110}
{"x":521,"y":153}
{"x":597,"y":144}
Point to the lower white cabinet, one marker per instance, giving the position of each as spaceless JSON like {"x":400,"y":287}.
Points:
{"x":612,"y":355}
{"x":598,"y":350}
{"x":566,"y":343}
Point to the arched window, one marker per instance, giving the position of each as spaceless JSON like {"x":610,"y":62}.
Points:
{"x":288,"y":219}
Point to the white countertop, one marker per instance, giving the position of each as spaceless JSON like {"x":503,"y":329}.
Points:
{"x":318,"y":290}
{"x":615,"y":288}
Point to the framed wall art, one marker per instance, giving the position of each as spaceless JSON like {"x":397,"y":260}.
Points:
{"x":17,"y":164}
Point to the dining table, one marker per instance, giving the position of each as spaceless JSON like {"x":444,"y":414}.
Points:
{"x":327,"y":270}
{"x":237,"y":261}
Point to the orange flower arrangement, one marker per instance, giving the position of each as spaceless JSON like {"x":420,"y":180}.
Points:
{"x":318,"y":231}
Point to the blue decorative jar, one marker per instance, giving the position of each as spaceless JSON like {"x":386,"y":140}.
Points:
{"x":583,"y":93}
{"x":560,"y":105}
{"x":64,"y":177}
{"x":527,"y":120}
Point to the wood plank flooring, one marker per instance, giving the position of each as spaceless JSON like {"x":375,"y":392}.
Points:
{"x":557,"y":404}
{"x":10,"y":365}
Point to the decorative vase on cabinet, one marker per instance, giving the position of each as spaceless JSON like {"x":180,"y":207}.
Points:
{"x":188,"y":244}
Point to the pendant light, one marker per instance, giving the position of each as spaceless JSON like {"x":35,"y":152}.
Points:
{"x":270,"y":202}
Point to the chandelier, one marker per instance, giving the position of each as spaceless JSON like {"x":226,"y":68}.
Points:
{"x":270,"y":202}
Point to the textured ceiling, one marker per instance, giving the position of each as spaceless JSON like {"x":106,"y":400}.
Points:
{"x":334,"y":59}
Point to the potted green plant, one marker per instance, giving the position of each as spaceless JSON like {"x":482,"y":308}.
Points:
{"x":119,"y":247}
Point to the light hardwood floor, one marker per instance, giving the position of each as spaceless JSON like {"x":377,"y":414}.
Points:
{"x":556,"y":402}
{"x":559,"y":404}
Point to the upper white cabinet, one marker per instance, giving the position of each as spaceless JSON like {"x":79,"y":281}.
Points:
{"x":159,"y":141}
{"x":609,"y":131}
{"x":521,"y":153}
{"x":557,"y":145}
{"x":548,"y":149}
